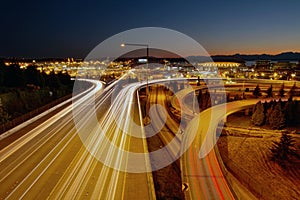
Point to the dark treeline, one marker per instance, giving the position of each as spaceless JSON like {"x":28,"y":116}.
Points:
{"x":276,"y":114}
{"x":23,"y":90}
{"x":14,"y":77}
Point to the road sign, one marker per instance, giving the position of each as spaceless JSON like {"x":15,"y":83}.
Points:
{"x":185,"y":187}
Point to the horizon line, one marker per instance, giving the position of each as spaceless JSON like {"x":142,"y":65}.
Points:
{"x":214,"y":55}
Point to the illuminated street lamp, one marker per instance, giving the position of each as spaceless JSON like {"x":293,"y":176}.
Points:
{"x":293,"y":75}
{"x":147,"y":67}
{"x":147,"y":57}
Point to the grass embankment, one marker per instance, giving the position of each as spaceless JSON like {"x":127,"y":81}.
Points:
{"x":17,"y":102}
{"x":245,"y":151}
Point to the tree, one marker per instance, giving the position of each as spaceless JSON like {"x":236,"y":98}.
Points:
{"x":290,"y":109}
{"x":205,"y":101}
{"x":269,"y":109}
{"x":198,"y":81}
{"x":256,"y":91}
{"x":282,"y":150}
{"x":13,"y":76}
{"x":4,"y":116}
{"x":281,"y":91}
{"x":258,"y":117}
{"x":292,"y":91}
{"x":277,"y":118}
{"x":52,"y":81}
{"x":33,"y":76}
{"x":65,"y":78}
{"x":270,"y":91}
{"x":199,"y":97}
{"x":208,"y":99}
{"x":228,"y":97}
{"x":243,"y":95}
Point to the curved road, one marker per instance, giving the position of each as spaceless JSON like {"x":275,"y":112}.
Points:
{"x":199,"y":164}
{"x":51,"y":161}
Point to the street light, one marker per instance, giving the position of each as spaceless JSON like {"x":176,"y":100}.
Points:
{"x":147,"y":56}
{"x":147,"y":67}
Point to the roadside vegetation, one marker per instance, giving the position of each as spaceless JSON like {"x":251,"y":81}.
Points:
{"x":283,"y":150}
{"x":276,"y":114}
{"x":261,"y":146}
{"x":23,"y":90}
{"x":263,"y":159}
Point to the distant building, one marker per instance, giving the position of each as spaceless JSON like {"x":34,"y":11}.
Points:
{"x":261,"y":65}
{"x":286,"y":70}
{"x":224,"y":68}
{"x":296,"y":71}
{"x":284,"y":65}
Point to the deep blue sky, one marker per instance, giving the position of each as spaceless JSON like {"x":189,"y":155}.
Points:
{"x":73,"y":28}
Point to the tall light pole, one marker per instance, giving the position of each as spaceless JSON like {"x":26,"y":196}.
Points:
{"x":147,"y":58}
{"x":147,"y":68}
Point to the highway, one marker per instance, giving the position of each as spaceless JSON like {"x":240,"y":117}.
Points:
{"x":204,"y":177}
{"x":96,"y":149}
{"x":201,"y":173}
{"x":168,"y":130}
{"x":199,"y":165}
{"x":51,"y":161}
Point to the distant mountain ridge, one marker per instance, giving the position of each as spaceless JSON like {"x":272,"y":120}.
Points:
{"x":286,"y":56}
{"x":282,"y":56}
{"x":156,"y":53}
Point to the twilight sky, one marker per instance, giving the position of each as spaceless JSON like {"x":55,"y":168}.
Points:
{"x":57,"y":28}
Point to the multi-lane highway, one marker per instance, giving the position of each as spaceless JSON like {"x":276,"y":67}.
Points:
{"x":201,"y":176}
{"x":96,"y":149}
{"x":51,"y":161}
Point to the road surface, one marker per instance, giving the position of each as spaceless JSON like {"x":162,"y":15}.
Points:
{"x":51,"y":161}
{"x":199,"y":164}
{"x":59,"y":159}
